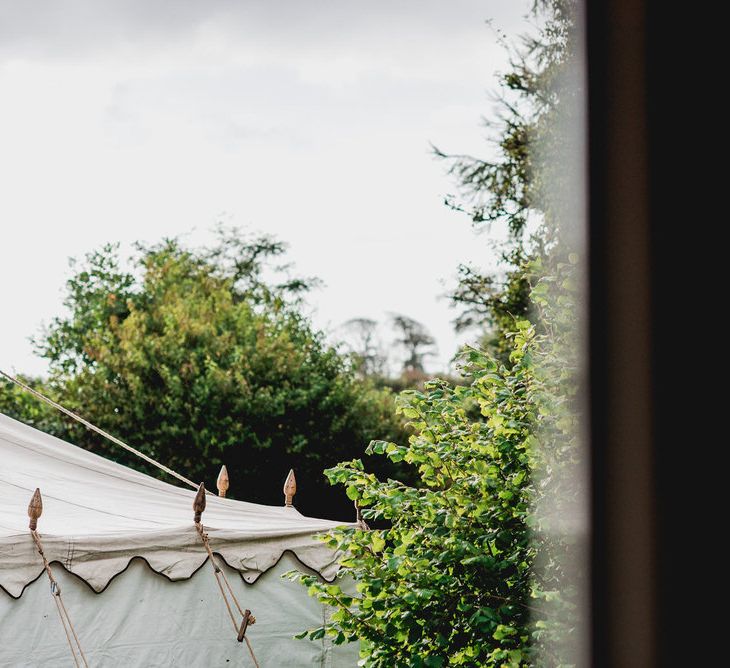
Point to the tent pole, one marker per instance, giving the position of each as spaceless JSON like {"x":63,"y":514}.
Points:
{"x":35,"y":510}
{"x":248,"y":619}
{"x":290,"y":489}
{"x":222,"y":483}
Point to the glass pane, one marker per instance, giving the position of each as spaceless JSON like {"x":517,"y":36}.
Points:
{"x":313,"y":237}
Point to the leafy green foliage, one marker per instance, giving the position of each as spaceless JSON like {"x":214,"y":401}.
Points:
{"x":448,"y":581}
{"x":21,"y":405}
{"x":483,"y":298}
{"x":200,"y":358}
{"x":470,"y":569}
{"x":471,"y":565}
{"x":560,"y":578}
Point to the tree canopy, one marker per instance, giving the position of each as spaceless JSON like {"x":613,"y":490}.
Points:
{"x":521,"y":187}
{"x":471,"y":568}
{"x":201,"y":358}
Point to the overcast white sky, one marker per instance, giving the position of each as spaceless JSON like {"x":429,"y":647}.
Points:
{"x":310,"y":120}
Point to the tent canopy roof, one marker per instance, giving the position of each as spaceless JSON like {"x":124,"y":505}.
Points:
{"x":98,"y":515}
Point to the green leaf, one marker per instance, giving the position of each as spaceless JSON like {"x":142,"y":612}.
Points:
{"x":503,"y":632}
{"x":377,"y":541}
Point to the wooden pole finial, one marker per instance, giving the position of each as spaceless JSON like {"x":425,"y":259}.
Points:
{"x":199,"y":503}
{"x":222,"y":483}
{"x":290,"y":489}
{"x":35,"y":509}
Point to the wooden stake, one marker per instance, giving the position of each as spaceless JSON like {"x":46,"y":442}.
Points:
{"x":290,"y":489}
{"x":199,"y":503}
{"x":248,"y":620}
{"x":222,"y":483}
{"x":35,"y":509}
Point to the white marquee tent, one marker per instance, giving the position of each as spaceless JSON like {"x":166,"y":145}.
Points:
{"x":132,"y":567}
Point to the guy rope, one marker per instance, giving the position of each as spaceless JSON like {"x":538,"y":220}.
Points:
{"x":247,"y":619}
{"x":35,"y":509}
{"x":96,"y":429}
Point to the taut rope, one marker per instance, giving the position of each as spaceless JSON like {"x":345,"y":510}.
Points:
{"x":248,"y":618}
{"x":221,"y":579}
{"x":35,"y":510}
{"x":62,"y":612}
{"x":106,"y":435}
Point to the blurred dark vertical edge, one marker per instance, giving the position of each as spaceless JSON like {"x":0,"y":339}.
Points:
{"x":623,"y":549}
{"x":646,"y":235}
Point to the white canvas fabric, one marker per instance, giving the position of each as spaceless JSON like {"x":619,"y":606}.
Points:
{"x":99,"y":515}
{"x":144,"y":621}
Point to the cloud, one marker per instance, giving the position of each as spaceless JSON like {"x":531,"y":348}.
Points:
{"x":138,"y":119}
{"x":352,"y":32}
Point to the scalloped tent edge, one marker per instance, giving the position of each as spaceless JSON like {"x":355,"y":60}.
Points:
{"x":100,"y":518}
{"x":98,"y":515}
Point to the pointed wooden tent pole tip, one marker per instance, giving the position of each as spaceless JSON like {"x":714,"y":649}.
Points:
{"x":199,"y":503}
{"x":222,"y":483}
{"x":35,"y":509}
{"x":290,"y":489}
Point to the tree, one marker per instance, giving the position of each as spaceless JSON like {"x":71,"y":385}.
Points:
{"x":414,"y":339}
{"x":470,"y":569}
{"x":479,"y":565}
{"x":201,"y":357}
{"x":370,"y":359}
{"x":19,"y":404}
{"x":485,"y":299}
{"x":448,"y":582}
{"x":521,"y":187}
